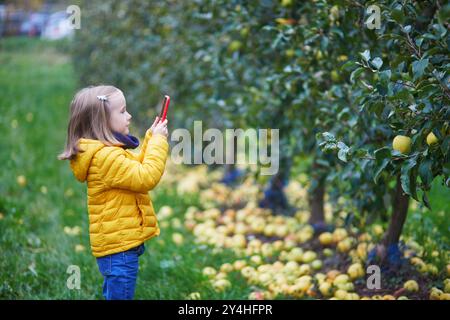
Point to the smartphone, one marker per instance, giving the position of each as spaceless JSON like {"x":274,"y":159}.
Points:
{"x":164,"y":107}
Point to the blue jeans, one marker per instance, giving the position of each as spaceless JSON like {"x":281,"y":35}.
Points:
{"x":120,"y":271}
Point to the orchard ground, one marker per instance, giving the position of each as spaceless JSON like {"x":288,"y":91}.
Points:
{"x":214,"y":244}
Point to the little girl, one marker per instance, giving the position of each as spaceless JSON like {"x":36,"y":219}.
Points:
{"x":121,"y":214}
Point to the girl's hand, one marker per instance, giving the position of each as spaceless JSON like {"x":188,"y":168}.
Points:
{"x":161,"y":128}
{"x":154,"y":124}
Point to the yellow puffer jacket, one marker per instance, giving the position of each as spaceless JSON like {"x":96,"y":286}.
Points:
{"x":121,"y":214}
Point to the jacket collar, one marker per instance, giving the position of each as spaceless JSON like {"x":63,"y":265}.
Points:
{"x":131,"y":142}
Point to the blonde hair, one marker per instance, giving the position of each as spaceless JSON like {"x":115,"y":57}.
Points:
{"x":89,"y":118}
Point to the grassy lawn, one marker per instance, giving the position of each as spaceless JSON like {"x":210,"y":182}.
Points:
{"x":37,"y":83}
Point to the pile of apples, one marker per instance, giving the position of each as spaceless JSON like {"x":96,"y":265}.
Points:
{"x":280,"y":256}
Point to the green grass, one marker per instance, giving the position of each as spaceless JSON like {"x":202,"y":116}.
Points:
{"x":431,"y":228}
{"x":37,"y":83}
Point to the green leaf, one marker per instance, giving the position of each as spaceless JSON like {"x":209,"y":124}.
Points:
{"x":445,"y":146}
{"x":376,"y":107}
{"x":397,"y":15}
{"x":408,"y":178}
{"x":365,"y":55}
{"x":343,"y":151}
{"x":328,"y":136}
{"x":425,"y":172}
{"x":355,"y":74}
{"x":348,"y":64}
{"x":406,"y":29}
{"x":404,"y":95}
{"x":425,"y":200}
{"x":418,"y":68}
{"x":342,"y":155}
{"x":385,"y":76}
{"x":377,"y":63}
{"x":440,"y":30}
{"x":360,"y":153}
{"x":382,"y":158}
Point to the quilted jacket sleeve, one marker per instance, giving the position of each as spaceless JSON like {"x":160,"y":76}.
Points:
{"x":118,"y":171}
{"x":147,"y":137}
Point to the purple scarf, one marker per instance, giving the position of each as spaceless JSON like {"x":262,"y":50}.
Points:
{"x":131,"y":142}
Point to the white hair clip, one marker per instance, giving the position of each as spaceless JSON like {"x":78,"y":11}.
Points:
{"x":102,"y":98}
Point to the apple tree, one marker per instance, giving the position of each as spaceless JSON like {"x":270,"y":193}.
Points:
{"x":399,"y":142}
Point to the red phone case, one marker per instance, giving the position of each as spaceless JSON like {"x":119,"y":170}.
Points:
{"x":164,"y":108}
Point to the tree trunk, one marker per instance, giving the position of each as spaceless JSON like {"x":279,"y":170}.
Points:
{"x":316,"y":195}
{"x":398,"y":218}
{"x":274,"y":196}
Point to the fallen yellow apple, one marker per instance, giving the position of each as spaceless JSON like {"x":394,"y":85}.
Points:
{"x":326,"y":238}
{"x":296,"y":254}
{"x":221,"y":275}
{"x":344,"y":245}
{"x":355,"y":271}
{"x":325,"y":289}
{"x":304,"y":269}
{"x":352,"y":296}
{"x":445,"y":296}
{"x":221,"y":285}
{"x":327,"y":252}
{"x":340,"y":294}
{"x":309,"y":256}
{"x":435,"y":294}
{"x":248,"y":271}
{"x":256,"y":295}
{"x":226,"y":267}
{"x":177,"y":238}
{"x":339,"y":234}
{"x":256,"y":259}
{"x":447,"y":285}
{"x":194,"y":296}
{"x":316,"y":264}
{"x":239,"y":264}
{"x":209,"y":272}
{"x":341,"y":279}
{"x":21,"y":180}
{"x":411,"y":286}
